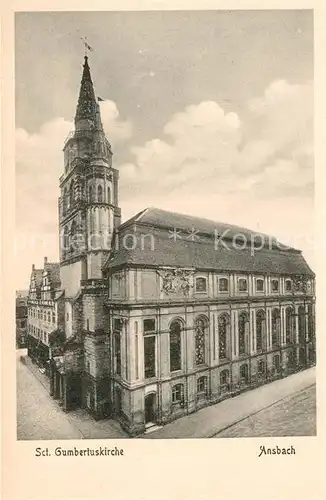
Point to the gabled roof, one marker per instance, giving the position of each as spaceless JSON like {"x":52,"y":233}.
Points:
{"x":200,"y":250}
{"x":53,"y":268}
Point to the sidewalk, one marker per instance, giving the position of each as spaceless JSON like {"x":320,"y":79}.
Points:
{"x":213,"y":419}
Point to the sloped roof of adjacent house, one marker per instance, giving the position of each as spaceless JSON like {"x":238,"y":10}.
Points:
{"x":184,"y":241}
{"x":53,"y":269}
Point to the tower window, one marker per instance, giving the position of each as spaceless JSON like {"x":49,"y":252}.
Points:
{"x":109,"y":195}
{"x":99,"y":194}
{"x":90,"y":194}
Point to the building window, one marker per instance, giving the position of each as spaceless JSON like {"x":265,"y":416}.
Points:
{"x":117,"y":350}
{"x":175,"y":346}
{"x":275,"y":285}
{"x":149,"y":356}
{"x":242,"y":285}
{"x":276,"y":327}
{"x":288,"y":286}
{"x":289,"y":325}
{"x":90,"y":194}
{"x":201,"y":285}
{"x":261,"y":367}
{"x":224,"y":377}
{"x":259,"y":285}
{"x":53,"y":317}
{"x":202,"y":385}
{"x":244,"y":374}
{"x":243,"y":319}
{"x":223,"y":285}
{"x":260,"y":329}
{"x":310,"y":323}
{"x":302,"y":325}
{"x":49,"y":317}
{"x":100,"y":194}
{"x":108,"y":194}
{"x":177,"y":393}
{"x":223,"y":323}
{"x":87,"y":324}
{"x":200,"y":329}
{"x":71,"y":194}
{"x":149,"y":325}
{"x":117,"y":324}
{"x":277,"y":362}
{"x":67,"y":316}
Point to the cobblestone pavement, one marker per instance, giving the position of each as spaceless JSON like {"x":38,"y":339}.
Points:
{"x":40,"y":417}
{"x":293,"y":416}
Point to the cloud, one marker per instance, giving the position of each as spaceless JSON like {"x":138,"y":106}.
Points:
{"x":254,"y":170}
{"x":116,"y":129}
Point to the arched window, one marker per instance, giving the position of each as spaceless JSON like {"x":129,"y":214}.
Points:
{"x":64,"y":201}
{"x":260,"y":329}
{"x":200,"y":329}
{"x":276,"y":327}
{"x":177,"y":393}
{"x":288,"y":286}
{"x":202,"y":385}
{"x":310,"y":322}
{"x":243,"y":319}
{"x":244,"y":374}
{"x":175,"y":346}
{"x":90,"y":194}
{"x":108,"y":195}
{"x":73,"y":233}
{"x":289,"y":324}
{"x":224,"y":377}
{"x":275,"y":285}
{"x":65,"y":242}
{"x":261,"y":367}
{"x":277,"y":362}
{"x":49,"y":317}
{"x":71,"y":194}
{"x":223,"y":324}
{"x":302,"y":325}
{"x":99,"y":194}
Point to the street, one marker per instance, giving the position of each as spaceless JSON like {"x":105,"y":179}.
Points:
{"x":286,"y":407}
{"x":293,"y":416}
{"x":40,"y":417}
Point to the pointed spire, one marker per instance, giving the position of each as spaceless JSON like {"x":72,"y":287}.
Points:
{"x":87,"y":107}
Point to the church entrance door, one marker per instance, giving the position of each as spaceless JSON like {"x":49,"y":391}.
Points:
{"x":150,"y":400}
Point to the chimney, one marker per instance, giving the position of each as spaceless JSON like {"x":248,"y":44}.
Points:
{"x":45,"y":260}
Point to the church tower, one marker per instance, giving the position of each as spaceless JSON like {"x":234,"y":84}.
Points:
{"x":88,"y":206}
{"x":88,"y":216}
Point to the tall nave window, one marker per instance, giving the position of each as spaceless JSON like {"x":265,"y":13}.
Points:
{"x":175,"y":346}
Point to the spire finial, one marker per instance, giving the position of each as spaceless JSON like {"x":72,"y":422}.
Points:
{"x":88,"y":48}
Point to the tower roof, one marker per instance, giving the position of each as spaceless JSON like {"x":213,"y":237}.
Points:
{"x":87,"y":107}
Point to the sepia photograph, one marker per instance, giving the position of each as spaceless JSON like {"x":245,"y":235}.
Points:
{"x":164,"y":241}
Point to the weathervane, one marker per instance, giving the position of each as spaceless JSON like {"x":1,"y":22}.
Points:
{"x":88,"y":48}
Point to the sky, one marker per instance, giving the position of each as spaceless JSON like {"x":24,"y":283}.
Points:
{"x":209,"y":113}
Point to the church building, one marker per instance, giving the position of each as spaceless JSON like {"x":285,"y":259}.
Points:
{"x":165,"y":313}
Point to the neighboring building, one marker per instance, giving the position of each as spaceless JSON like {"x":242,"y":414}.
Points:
{"x":156,"y":318}
{"x":21,"y":319}
{"x":43,"y":310}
